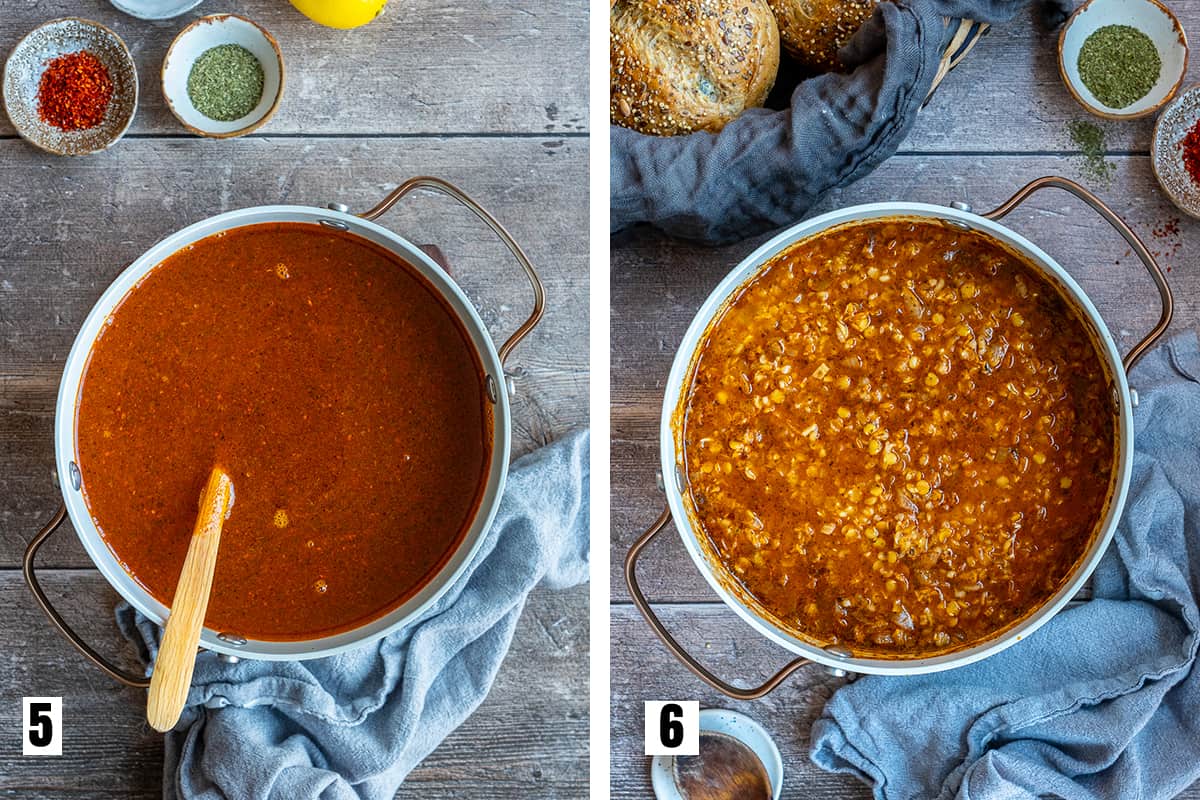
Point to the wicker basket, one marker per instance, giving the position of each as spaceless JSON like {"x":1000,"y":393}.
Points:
{"x":964,"y":39}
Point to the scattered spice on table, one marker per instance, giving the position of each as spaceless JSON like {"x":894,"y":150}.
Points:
{"x":1190,"y":147}
{"x":1119,"y":65}
{"x":74,"y":91}
{"x":1166,"y":242}
{"x":1088,"y":137}
{"x":226,"y":82}
{"x":1167,"y":229}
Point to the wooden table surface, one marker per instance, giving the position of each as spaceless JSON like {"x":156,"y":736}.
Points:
{"x":997,"y":122}
{"x":489,"y":95}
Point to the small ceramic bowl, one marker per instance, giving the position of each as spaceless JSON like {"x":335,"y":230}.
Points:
{"x":1166,"y":153}
{"x":23,"y":73}
{"x":732,"y":724}
{"x":154,"y":9}
{"x":197,"y":39}
{"x":1148,"y":16}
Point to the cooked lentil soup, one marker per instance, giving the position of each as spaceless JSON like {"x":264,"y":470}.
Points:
{"x":337,"y":388}
{"x":898,"y":437}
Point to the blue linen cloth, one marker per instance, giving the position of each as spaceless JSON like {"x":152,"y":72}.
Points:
{"x":352,"y":726}
{"x":768,"y":168}
{"x":1104,"y":700}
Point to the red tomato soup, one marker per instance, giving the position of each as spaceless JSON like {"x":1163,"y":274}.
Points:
{"x":340,"y":392}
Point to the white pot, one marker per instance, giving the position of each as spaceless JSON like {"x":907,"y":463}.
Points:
{"x":490,"y":357}
{"x":839,"y":659}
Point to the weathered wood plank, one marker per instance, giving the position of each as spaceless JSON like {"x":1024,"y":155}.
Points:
{"x":657,"y":285}
{"x":110,"y":751}
{"x":499,"y":86}
{"x":1007,"y":96}
{"x":643,"y":670}
{"x":72,"y":226}
{"x":504,"y":66}
{"x":530,"y":737}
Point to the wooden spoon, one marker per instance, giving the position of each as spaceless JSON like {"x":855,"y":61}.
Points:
{"x":172,"y":675}
{"x":725,"y":769}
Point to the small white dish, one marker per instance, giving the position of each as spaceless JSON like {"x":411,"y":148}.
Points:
{"x":198,"y":38}
{"x":1148,"y":16}
{"x":154,"y":9}
{"x":737,"y":726}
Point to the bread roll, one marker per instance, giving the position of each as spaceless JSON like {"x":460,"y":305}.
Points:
{"x":812,"y":31}
{"x":679,"y":66}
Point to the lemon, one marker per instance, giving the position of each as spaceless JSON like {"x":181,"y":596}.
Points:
{"x":340,"y":13}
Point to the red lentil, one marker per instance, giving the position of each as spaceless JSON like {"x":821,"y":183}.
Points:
{"x":898,"y":439}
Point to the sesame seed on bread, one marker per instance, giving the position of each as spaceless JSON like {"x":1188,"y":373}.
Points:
{"x":812,"y":31}
{"x":679,"y":66}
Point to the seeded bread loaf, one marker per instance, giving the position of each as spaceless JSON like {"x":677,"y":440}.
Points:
{"x":812,"y":31}
{"x":679,"y":66}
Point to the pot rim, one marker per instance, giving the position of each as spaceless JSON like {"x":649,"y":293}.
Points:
{"x":230,"y":643}
{"x":738,"y":276}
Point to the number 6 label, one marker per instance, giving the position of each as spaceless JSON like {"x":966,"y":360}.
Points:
{"x":672,"y":727}
{"x":41,"y":722}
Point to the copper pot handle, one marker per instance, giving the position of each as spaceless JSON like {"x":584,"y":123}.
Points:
{"x":453,"y":192}
{"x":677,"y":649}
{"x":1135,"y":244}
{"x":127,"y":678}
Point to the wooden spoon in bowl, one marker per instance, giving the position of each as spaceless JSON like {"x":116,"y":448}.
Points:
{"x":725,"y":769}
{"x":172,"y":675}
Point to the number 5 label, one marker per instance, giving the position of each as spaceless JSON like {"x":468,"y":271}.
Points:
{"x":672,"y":727}
{"x":41,"y":721}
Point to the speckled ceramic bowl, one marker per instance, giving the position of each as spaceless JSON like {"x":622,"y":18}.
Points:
{"x":28,"y":60}
{"x":1148,"y":16}
{"x":1166,"y":152}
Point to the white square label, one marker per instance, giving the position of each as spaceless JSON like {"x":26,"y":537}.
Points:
{"x":41,"y":726}
{"x":672,"y":727}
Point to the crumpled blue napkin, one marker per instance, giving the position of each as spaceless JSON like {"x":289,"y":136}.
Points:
{"x":768,"y":168}
{"x":1104,"y":700}
{"x":352,"y":726}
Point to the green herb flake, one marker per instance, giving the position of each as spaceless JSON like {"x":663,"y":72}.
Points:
{"x":1119,"y":65}
{"x":1089,"y":138}
{"x":226,"y":82}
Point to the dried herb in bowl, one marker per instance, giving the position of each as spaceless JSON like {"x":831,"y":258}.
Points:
{"x":1119,"y":65}
{"x":226,"y":82}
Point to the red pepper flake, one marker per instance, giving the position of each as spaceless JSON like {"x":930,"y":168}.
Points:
{"x":1168,"y":244}
{"x":1191,"y":152}
{"x":74,"y":91}
{"x":1168,"y":228}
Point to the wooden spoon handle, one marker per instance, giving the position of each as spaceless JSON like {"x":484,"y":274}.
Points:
{"x":172,"y":675}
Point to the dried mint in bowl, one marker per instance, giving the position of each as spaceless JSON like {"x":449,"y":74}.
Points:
{"x":226,"y":82}
{"x":1119,"y":65}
